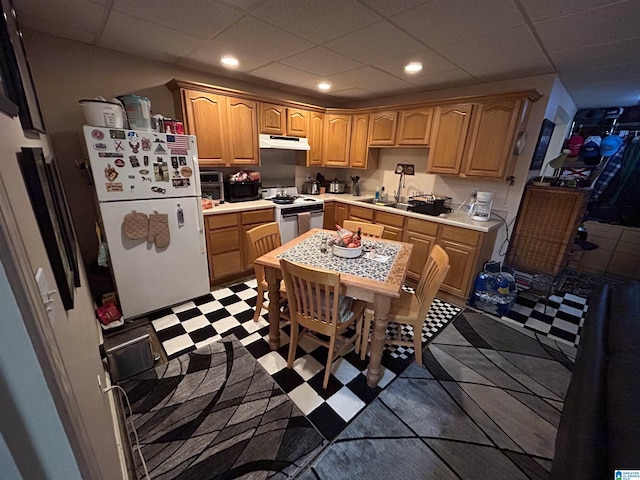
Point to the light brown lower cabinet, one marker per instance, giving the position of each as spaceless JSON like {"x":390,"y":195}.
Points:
{"x":393,"y":224}
{"x":227,"y":247}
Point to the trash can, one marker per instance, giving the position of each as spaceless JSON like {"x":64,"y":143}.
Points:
{"x":129,"y":353}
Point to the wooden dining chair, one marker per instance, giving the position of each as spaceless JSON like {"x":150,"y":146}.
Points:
{"x":411,"y":309}
{"x":368,"y":229}
{"x":315,"y":304}
{"x":263,"y":239}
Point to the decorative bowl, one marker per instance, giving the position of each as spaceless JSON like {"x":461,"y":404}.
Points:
{"x":345,"y":252}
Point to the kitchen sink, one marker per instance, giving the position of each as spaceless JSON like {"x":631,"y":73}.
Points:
{"x":397,"y":205}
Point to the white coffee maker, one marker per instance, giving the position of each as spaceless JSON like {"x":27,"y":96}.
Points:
{"x":481,"y":209}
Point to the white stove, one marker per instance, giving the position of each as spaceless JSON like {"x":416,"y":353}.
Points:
{"x":287,"y":213}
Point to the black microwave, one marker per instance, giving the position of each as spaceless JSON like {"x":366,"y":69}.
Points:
{"x":242,"y":191}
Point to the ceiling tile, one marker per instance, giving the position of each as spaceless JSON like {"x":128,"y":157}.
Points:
{"x":602,"y":74}
{"x":444,"y":22}
{"x":613,"y":23}
{"x":431,"y":63}
{"x":375,"y":43}
{"x":79,"y":14}
{"x":321,"y":61}
{"x":194,"y":20}
{"x":209,"y":53}
{"x":243,"y":4}
{"x":504,"y":69}
{"x":316,"y":21}
{"x":353,"y":93}
{"x":620,"y":94}
{"x":128,"y":34}
{"x":479,"y":55}
{"x":579,"y":59}
{"x":453,"y":78}
{"x":387,"y":8}
{"x":261,"y":39}
{"x":369,"y":78}
{"x":278,"y":72}
{"x":27,"y":22}
{"x":538,"y":10}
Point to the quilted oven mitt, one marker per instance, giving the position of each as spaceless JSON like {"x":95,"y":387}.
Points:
{"x":136,"y":226}
{"x":159,"y":230}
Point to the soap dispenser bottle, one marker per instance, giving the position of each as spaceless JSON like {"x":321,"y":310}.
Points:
{"x":377,"y":197}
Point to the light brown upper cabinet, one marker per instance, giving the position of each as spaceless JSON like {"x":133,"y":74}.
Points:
{"x":225,"y":127}
{"x":414,"y":127}
{"x":492,"y":135}
{"x":404,"y":128}
{"x":316,"y":139}
{"x":358,"y":152}
{"x":280,"y":120}
{"x":337,"y":140}
{"x":450,"y":128}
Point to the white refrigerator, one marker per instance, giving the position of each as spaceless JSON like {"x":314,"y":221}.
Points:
{"x":148,"y":191}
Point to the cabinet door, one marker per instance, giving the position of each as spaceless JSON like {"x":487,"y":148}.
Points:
{"x":422,"y":245}
{"x":297,"y":122}
{"x":493,"y":132}
{"x":205,"y":117}
{"x":243,"y":135}
{"x":414,"y":127}
{"x":358,"y":151}
{"x":316,"y":130}
{"x":383,"y":129}
{"x":272,"y":119}
{"x":360,"y":214}
{"x":329,"y":219}
{"x":450,"y":127}
{"x":341,"y":214}
{"x":461,"y":261}
{"x":337,"y":140}
{"x":393,"y":224}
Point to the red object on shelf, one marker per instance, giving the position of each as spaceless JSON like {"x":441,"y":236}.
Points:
{"x":108,"y":313}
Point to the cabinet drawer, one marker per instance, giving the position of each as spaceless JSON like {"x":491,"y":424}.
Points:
{"x":461,"y":235}
{"x":225,"y":264}
{"x":222,"y":221}
{"x":422,"y":226}
{"x":361,"y":213}
{"x":223,"y":240}
{"x":257,"y":216}
{"x":390,"y":219}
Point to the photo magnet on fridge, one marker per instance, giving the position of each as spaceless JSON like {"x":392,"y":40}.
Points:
{"x":119,"y":134}
{"x":161,"y":172}
{"x":146,"y":144}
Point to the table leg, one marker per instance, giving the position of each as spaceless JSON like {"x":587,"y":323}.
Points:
{"x":273,"y":288}
{"x":381,"y":305}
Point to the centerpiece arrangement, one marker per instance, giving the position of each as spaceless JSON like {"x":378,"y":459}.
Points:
{"x":346,"y":244}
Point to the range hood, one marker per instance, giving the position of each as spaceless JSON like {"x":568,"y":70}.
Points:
{"x":284,"y":143}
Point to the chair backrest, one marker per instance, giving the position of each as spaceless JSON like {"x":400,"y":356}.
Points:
{"x":433,"y":274}
{"x":313,"y":296}
{"x":262,"y":239}
{"x":368,"y":229}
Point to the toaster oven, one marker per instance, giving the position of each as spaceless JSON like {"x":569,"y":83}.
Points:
{"x":212,"y":185}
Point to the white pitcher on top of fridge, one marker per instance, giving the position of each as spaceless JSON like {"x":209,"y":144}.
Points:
{"x":138,"y":110}
{"x":481,"y":209}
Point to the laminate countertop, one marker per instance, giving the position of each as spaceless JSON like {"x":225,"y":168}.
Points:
{"x":454,"y":219}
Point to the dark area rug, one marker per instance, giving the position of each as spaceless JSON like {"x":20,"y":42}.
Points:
{"x":215,"y":413}
{"x":486,"y":405}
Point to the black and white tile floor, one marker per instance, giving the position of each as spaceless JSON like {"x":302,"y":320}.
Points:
{"x":230,"y":311}
{"x":561,"y":320}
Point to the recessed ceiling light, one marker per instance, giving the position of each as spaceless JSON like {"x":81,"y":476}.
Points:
{"x":413,"y":67}
{"x":229,"y":61}
{"x":324,"y":86}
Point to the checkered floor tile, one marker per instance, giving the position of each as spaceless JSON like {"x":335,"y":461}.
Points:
{"x":230,"y":311}
{"x":561,"y":317}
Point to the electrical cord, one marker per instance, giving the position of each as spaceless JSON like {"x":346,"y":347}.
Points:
{"x":135,"y":433}
{"x":505,"y":243}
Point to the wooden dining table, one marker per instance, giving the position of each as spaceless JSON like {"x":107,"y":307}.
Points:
{"x":374,"y":280}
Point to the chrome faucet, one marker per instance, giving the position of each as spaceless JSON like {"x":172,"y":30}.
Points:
{"x":396,"y":195}
{"x":402,"y":169}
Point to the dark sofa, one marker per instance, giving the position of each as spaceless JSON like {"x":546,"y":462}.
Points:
{"x":599,"y":429}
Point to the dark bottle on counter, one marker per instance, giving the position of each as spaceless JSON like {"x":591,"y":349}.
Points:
{"x":359,"y":234}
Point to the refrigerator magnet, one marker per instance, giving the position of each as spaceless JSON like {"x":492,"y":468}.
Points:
{"x":97,"y":134}
{"x":110,"y":173}
{"x":147,"y":179}
{"x":119,"y":162}
{"x":186,"y":171}
{"x":161,"y":172}
{"x":180,"y":182}
{"x":133,"y":137}
{"x":110,"y":155}
{"x":119,"y":146}
{"x":160,"y":150}
{"x":145,"y":159}
{"x":144,"y":171}
{"x":174,"y":162}
{"x":182,"y":160}
{"x":113,"y":187}
{"x":117,"y":134}
{"x":158,"y":190}
{"x":135,"y":163}
{"x":146,"y":144}
{"x":100,"y":146}
{"x":135,"y":147}
{"x":158,"y":140}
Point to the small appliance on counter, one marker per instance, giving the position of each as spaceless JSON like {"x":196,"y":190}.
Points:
{"x":212,"y":184}
{"x":336,"y":186}
{"x":311,"y":187}
{"x":243,"y":186}
{"x":481,"y":209}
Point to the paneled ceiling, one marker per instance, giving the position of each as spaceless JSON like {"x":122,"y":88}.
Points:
{"x":361,"y":46}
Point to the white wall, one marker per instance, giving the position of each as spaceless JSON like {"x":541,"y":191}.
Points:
{"x":76,"y":331}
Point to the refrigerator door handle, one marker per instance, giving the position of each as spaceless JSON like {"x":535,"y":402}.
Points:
{"x":203,"y":246}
